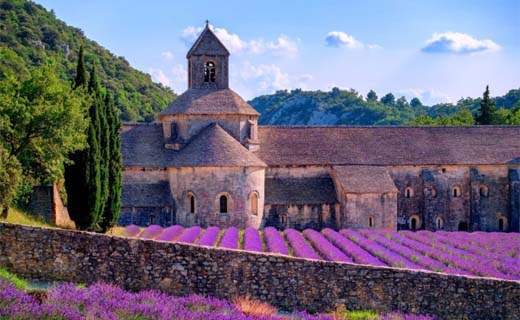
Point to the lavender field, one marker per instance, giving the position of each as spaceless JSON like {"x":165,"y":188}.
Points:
{"x":483,"y":254}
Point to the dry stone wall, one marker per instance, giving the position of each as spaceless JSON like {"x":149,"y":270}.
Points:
{"x":288,"y":283}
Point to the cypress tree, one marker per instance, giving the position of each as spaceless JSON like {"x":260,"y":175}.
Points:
{"x":75,"y":172}
{"x":93,"y":159}
{"x":113,"y":203}
{"x":104,"y":148}
{"x":487,"y":111}
{"x":81,"y":72}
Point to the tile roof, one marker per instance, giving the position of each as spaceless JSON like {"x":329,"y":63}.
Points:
{"x":143,"y":146}
{"x":389,"y":145}
{"x":207,"y":44}
{"x":299,"y":191}
{"x":361,"y":179}
{"x":209,"y":102}
{"x":146,"y":195}
{"x":214,"y":147}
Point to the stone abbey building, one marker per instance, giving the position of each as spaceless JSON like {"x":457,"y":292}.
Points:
{"x":206,"y":161}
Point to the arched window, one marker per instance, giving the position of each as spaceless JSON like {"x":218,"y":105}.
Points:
{"x":371,"y":222}
{"x":439,"y":223}
{"x":210,"y":71}
{"x":455,"y":191}
{"x":151,"y":219}
{"x":484,"y":191}
{"x":414,"y":222}
{"x":190,"y":203}
{"x":283,"y":220}
{"x":502,"y":224}
{"x":254,"y":203}
{"x":223,"y":204}
{"x":408,"y":192}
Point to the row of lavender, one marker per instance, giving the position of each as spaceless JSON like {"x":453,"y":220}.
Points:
{"x":478,"y":254}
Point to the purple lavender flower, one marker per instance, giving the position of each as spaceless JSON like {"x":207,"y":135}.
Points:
{"x":274,"y":241}
{"x":358,"y":254}
{"x":252,"y":241}
{"x":170,"y":233}
{"x":190,"y":235}
{"x":300,"y":247}
{"x":388,"y":256}
{"x":230,"y":239}
{"x":324,"y":247}
{"x":131,"y":230}
{"x":151,"y":232}
{"x":209,"y":237}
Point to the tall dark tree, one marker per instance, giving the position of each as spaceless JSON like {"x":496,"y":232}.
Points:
{"x":388,"y":99}
{"x":415,"y":103}
{"x":113,"y":202}
{"x":81,"y":72}
{"x":487,"y":112}
{"x":104,"y":147}
{"x":371,"y":96}
{"x":402,"y":102}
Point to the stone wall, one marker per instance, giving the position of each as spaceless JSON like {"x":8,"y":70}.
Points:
{"x":359,"y":208}
{"x":288,"y":283}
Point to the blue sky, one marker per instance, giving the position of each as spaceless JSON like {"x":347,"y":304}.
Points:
{"x":437,"y":50}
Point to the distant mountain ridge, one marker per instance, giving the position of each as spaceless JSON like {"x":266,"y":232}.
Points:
{"x":348,"y":107}
{"x":30,"y":36}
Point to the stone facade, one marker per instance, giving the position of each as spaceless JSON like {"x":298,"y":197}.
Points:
{"x":207,"y":144}
{"x":45,"y":202}
{"x":286,"y":282}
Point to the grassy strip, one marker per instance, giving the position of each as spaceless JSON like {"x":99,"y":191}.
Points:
{"x":18,"y":283}
{"x":17,"y":216}
{"x":219,"y":238}
{"x":241,"y":239}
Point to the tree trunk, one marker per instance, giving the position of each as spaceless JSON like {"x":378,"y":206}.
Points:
{"x":3,"y":215}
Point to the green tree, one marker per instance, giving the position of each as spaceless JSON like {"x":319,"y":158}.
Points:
{"x":402,"y":103}
{"x":487,"y":112}
{"x":388,"y":99}
{"x":10,"y":176}
{"x":81,"y":72}
{"x":42,"y":122}
{"x":371,"y":96}
{"x":113,"y":202}
{"x":462,"y":118}
{"x":415,"y":103}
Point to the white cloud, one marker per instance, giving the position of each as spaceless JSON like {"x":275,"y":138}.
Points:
{"x":282,"y":46}
{"x":167,"y":55}
{"x":427,"y":96}
{"x":340,"y":38}
{"x":176,"y":78}
{"x":460,"y":43}
{"x":268,"y":77}
{"x":159,"y":76}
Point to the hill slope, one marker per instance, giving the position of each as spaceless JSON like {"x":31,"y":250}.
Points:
{"x":347,"y":107}
{"x":30,"y":35}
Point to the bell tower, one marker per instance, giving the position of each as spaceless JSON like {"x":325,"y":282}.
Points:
{"x":208,"y":62}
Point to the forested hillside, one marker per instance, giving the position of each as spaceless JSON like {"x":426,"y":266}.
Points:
{"x":348,"y":107}
{"x":31,"y":36}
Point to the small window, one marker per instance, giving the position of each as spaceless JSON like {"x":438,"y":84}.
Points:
{"x":174,"y":132}
{"x":254,"y":203}
{"x":151,"y":219}
{"x":455,"y":192}
{"x":414,"y":223}
{"x":463,"y":226}
{"x":408,"y":192}
{"x":371,"y":222}
{"x":191,"y":203}
{"x":484,"y":191}
{"x":209,"y":72}
{"x":502,"y":224}
{"x":439,"y":223}
{"x":223,"y":201}
{"x":283,"y":220}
